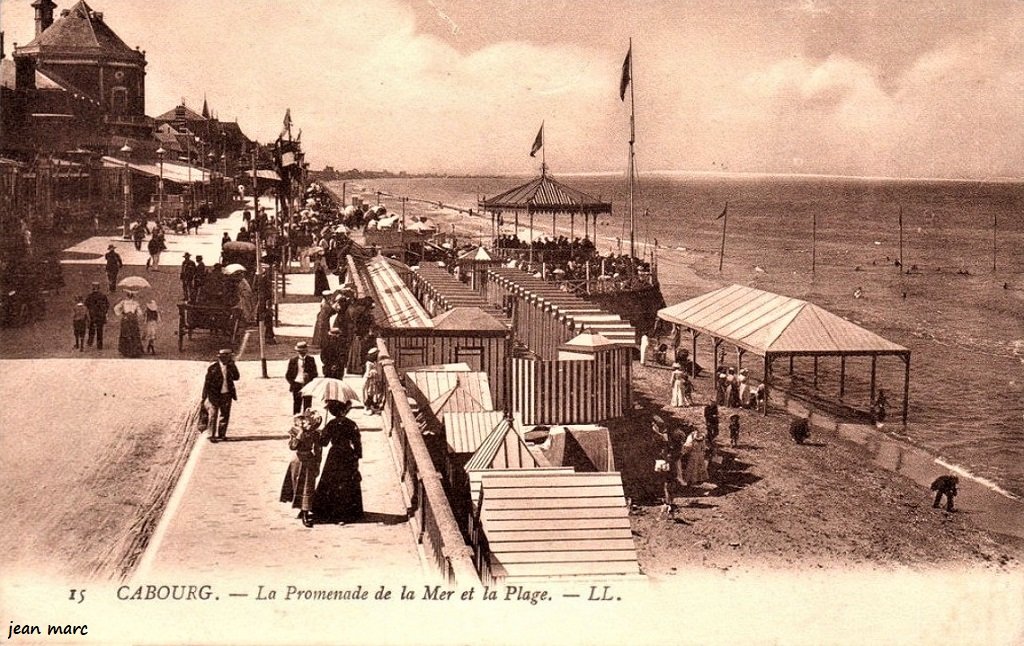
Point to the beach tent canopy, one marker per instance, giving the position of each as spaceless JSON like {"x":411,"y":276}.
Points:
{"x":771,"y":324}
{"x":546,"y":195}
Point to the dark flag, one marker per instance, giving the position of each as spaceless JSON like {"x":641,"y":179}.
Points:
{"x":724,"y":211}
{"x":627,"y":68}
{"x":538,"y":142}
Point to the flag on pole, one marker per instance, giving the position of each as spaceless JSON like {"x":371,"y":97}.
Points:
{"x":724,"y":211}
{"x":538,"y":141}
{"x":288,"y":119}
{"x":626,"y":73}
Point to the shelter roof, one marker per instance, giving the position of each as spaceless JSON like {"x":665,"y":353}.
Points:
{"x":479,"y":254}
{"x":767,"y":323}
{"x":172,"y":171}
{"x":590,"y":341}
{"x":548,"y":523}
{"x":503,"y":448}
{"x":544,"y":194}
{"x":397,"y":302}
{"x":80,"y":30}
{"x":264,"y":174}
{"x":468,"y":318}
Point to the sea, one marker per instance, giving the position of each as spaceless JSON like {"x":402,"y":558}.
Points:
{"x":956,"y":301}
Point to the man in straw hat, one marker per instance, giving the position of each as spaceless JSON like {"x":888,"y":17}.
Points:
{"x":219,"y":392}
{"x":301,"y":370}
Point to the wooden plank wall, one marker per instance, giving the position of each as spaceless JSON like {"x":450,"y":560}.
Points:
{"x":415,"y":351}
{"x":572,"y":392}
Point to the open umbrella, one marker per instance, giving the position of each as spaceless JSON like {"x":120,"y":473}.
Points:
{"x":326,"y":389}
{"x":133,"y":282}
{"x":233,"y":268}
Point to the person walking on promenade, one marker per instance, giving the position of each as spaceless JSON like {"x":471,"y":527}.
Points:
{"x":129,"y":344}
{"x":334,"y":354}
{"x":339,"y":495}
{"x":155,"y":247}
{"x":98,"y":305}
{"x":138,"y":235}
{"x":219,"y":391}
{"x":360,"y":319}
{"x":79,"y":322}
{"x":323,"y":319}
{"x":152,"y":318}
{"x":301,"y":370}
{"x":199,"y":279}
{"x":187,"y":276}
{"x":114,"y":264}
{"x":945,"y":486}
{"x":320,"y":283}
{"x":299,"y":486}
{"x":734,"y":430}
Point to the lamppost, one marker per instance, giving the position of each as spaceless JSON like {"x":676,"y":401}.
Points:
{"x":160,"y":187}
{"x":223,"y":174}
{"x":126,"y":150}
{"x":202,"y":157}
{"x":211,"y":191}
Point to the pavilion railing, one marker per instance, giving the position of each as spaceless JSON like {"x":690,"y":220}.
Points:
{"x":430,"y":511}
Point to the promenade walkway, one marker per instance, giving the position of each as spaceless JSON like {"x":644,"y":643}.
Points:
{"x":224,"y":519}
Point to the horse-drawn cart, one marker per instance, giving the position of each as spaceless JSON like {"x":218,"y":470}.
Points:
{"x":217,"y":319}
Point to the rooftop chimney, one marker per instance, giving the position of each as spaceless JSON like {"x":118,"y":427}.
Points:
{"x":44,"y":14}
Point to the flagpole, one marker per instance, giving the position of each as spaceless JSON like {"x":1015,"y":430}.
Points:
{"x":901,"y":238}
{"x":543,"y":151}
{"x":725,"y":222}
{"x":632,"y":139}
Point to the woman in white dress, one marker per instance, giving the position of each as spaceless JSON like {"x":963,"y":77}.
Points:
{"x":129,"y":344}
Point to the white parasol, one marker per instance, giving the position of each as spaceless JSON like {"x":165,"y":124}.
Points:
{"x":133,"y":283}
{"x":233,"y":268}
{"x":326,"y":389}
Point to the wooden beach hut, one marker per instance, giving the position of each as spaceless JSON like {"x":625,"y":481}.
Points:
{"x":548,"y":523}
{"x":773,"y":326}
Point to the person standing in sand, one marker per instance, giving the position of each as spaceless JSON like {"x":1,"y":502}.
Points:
{"x":945,"y":486}
{"x":695,"y":466}
{"x":678,"y":386}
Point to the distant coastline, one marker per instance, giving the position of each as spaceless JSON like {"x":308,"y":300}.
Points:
{"x":330,"y":174}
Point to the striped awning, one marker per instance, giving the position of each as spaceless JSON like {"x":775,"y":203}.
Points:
{"x":396,"y":300}
{"x":765,"y":323}
{"x":546,"y":195}
{"x":175,"y":172}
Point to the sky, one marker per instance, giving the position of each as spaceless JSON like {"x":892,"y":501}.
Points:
{"x":866,"y":88}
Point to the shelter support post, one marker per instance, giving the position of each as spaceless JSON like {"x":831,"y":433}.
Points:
{"x":842,"y":377}
{"x":693,"y":352}
{"x":815,"y":372}
{"x":790,"y":364}
{"x":906,"y":387}
{"x":739,"y":359}
{"x":766,"y":373}
{"x":554,"y":232}
{"x":572,"y":226}
{"x":874,"y":360}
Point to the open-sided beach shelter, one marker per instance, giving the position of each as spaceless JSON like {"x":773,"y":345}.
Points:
{"x":771,"y":326}
{"x":542,"y":196}
{"x":542,"y":523}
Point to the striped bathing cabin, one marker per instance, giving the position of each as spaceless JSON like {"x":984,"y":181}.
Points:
{"x":544,"y":317}
{"x":552,"y":523}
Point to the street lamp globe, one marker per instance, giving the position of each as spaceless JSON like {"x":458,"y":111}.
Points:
{"x":126,"y":150}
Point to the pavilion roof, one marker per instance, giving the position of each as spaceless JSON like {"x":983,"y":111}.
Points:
{"x":545,"y":194}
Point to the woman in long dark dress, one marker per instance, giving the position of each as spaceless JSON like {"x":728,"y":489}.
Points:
{"x":320,"y":283}
{"x":129,"y":344}
{"x":339,"y":495}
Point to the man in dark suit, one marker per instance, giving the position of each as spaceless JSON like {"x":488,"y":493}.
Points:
{"x":301,"y":370}
{"x":187,"y":276}
{"x":219,"y":391}
{"x":98,"y":305}
{"x":114,"y":264}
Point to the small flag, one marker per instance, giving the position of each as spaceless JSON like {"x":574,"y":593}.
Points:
{"x":724,"y":211}
{"x":538,"y":142}
{"x":627,"y":68}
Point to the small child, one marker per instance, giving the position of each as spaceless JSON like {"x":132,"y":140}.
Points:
{"x":734,"y":430}
{"x":80,"y":321}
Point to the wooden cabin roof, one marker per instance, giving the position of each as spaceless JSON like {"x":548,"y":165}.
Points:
{"x":466,"y":431}
{"x":542,"y":523}
{"x":444,"y":391}
{"x":503,"y":448}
